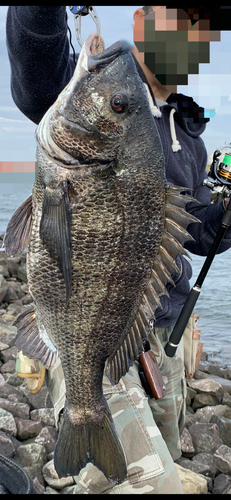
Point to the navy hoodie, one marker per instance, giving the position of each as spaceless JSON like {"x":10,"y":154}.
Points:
{"x":41,"y":67}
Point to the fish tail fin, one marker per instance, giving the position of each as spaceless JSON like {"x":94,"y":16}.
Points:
{"x":94,"y":442}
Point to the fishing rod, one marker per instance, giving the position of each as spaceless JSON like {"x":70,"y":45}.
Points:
{"x":219,"y":180}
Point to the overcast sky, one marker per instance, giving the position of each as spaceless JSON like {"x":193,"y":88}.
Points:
{"x":211,"y":89}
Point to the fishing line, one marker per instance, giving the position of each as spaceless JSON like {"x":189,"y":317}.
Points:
{"x":70,"y":40}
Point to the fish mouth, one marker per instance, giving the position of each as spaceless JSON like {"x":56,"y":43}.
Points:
{"x":93,"y":58}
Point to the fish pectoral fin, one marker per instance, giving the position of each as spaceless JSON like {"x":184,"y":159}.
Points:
{"x":18,"y":230}
{"x":55,"y":231}
{"x":30,"y":342}
{"x":95,"y":442}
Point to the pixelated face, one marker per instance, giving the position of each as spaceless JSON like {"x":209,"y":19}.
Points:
{"x":173,"y":42}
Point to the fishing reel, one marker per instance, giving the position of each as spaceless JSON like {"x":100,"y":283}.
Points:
{"x":219,"y":175}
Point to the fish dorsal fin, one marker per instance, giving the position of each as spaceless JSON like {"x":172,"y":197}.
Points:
{"x":34,"y":341}
{"x":18,"y":230}
{"x":173,"y":238}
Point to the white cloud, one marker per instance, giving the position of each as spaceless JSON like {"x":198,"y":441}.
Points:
{"x":12,"y":120}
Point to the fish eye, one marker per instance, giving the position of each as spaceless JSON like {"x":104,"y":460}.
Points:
{"x":119,"y":102}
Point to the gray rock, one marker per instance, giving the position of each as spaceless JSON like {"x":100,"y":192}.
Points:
{"x":38,"y":400}
{"x":205,"y":437}
{"x":48,"y":437}
{"x":3,"y":292}
{"x":187,"y":447}
{"x":204,"y":399}
{"x":204,"y":415}
{"x":20,"y":410}
{"x":27,"y":299}
{"x":206,"y":459}
{"x":6,"y":446}
{"x":38,"y":486}
{"x":2,"y":380}
{"x":35,"y":472}
{"x":226,"y":400}
{"x":7,"y":423}
{"x":225,"y":383}
{"x":13,"y":265}
{"x":8,"y":354}
{"x":46,"y":415}
{"x":213,"y":369}
{"x":8,"y":390}
{"x":27,"y":428}
{"x":4,"y":270}
{"x":221,"y":482}
{"x":3,"y":282}
{"x":8,"y":336}
{"x":208,"y":386}
{"x":8,"y":367}
{"x":22,"y":274}
{"x":31,"y":454}
{"x":51,"y":477}
{"x":191,"y":393}
{"x":224,"y":427}
{"x":14,"y":309}
{"x":222,"y":459}
{"x":14,"y":380}
{"x":11,"y":294}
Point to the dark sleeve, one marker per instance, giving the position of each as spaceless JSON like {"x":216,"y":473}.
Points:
{"x":210,"y":216}
{"x":38,"y":49}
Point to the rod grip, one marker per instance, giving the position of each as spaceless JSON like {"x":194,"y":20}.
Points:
{"x":182,"y":321}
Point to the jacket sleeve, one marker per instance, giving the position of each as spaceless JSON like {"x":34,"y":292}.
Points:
{"x":38,"y":50}
{"x":210,"y":216}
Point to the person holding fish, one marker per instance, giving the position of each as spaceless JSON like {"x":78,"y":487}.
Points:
{"x":118,"y":200}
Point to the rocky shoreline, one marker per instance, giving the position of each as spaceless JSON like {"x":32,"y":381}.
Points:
{"x":27,"y":427}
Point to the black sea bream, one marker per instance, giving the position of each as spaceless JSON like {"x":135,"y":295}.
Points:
{"x":103,"y":231}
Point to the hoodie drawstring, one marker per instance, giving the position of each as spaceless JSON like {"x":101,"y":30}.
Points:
{"x":154,"y":109}
{"x":175,"y":143}
{"x":157,"y":114}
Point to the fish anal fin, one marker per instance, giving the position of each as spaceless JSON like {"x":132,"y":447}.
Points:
{"x":29,"y":340}
{"x":55,"y":231}
{"x":17,"y":233}
{"x":95,"y":442}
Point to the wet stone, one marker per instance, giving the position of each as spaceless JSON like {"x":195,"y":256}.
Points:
{"x":222,"y":459}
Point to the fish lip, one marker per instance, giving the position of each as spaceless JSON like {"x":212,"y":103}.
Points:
{"x":107,"y":56}
{"x":75,"y":124}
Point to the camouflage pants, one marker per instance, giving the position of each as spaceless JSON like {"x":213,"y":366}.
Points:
{"x":148,"y":429}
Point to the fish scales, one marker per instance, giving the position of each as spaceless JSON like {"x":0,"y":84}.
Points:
{"x":95,"y":225}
